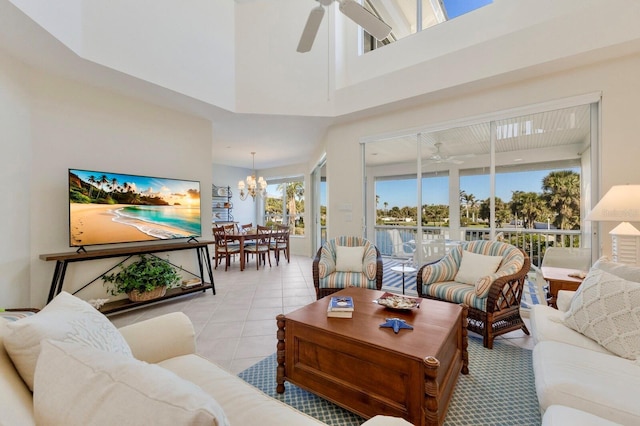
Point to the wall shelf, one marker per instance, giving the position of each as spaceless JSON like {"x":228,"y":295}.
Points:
{"x":221,"y":205}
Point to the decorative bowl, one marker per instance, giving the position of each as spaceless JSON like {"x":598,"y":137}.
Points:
{"x":398,"y":302}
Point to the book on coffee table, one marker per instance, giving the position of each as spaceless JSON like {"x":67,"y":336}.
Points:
{"x":341,"y":304}
{"x":339,"y":314}
{"x":340,"y":307}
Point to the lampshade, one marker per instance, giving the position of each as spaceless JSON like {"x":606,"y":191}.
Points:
{"x":620,"y":204}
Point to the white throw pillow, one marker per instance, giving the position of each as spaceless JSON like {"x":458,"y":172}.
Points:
{"x":606,"y":308}
{"x":81,"y":385}
{"x":65,"y":318}
{"x":349,"y":259}
{"x":628,"y":272}
{"x":474,"y":266}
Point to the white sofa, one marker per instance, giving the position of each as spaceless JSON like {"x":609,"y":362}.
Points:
{"x":167,"y":341}
{"x":575,"y":371}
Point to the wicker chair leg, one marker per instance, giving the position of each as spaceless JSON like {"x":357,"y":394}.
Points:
{"x":487,"y":340}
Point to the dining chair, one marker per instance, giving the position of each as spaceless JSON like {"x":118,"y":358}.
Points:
{"x":223,"y":248}
{"x":261,"y":247}
{"x":280,"y":242}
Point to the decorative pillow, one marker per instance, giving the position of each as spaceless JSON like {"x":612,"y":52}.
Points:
{"x":606,"y":308}
{"x":474,"y":266}
{"x":81,"y":385}
{"x":628,"y":272}
{"x":349,"y":259}
{"x":370,"y":261}
{"x":65,"y":318}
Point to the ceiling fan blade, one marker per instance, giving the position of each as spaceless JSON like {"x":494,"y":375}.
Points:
{"x":361,"y":16}
{"x":310,"y":29}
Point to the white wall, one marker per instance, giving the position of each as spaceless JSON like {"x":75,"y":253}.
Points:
{"x":16,"y":176}
{"x":56,"y":124}
{"x":186,"y":47}
{"x":616,"y":79}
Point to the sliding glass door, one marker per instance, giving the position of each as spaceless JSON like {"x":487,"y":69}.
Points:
{"x":521,"y":179}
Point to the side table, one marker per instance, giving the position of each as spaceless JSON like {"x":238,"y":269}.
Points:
{"x":560,"y":279}
{"x":403,"y":269}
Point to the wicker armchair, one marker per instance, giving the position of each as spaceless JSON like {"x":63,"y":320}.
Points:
{"x":494,"y":301}
{"x":328,"y":280}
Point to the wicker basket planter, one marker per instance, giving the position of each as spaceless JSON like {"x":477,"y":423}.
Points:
{"x":144,"y":279}
{"x":136,"y":296}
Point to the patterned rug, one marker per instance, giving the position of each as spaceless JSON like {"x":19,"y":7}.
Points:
{"x":392,"y":281}
{"x":499,"y":390}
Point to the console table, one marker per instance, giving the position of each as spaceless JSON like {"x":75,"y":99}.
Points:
{"x":63,"y":259}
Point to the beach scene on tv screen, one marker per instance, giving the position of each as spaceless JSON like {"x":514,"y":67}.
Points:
{"x":107,"y":208}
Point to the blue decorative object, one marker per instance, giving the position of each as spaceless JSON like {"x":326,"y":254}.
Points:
{"x":396,"y":324}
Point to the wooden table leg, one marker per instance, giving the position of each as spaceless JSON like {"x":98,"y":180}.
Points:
{"x":431,"y":391}
{"x":280,"y":354}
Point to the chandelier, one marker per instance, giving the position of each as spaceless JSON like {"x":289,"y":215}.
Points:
{"x":254,"y":187}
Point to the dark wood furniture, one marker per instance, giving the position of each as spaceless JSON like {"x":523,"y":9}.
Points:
{"x":242,"y":239}
{"x":280,"y":243}
{"x":64,"y":259}
{"x":370,"y":370}
{"x":560,"y":279}
{"x":224,"y":248}
{"x":261,"y":248}
{"x":502,"y":312}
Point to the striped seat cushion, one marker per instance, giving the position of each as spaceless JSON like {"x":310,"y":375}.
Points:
{"x":347,"y":279}
{"x":456,"y":292}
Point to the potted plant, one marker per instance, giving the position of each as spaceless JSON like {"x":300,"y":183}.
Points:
{"x":145,"y":279}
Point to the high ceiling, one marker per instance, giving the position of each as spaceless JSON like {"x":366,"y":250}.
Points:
{"x":567,"y":127}
{"x":279,"y":140}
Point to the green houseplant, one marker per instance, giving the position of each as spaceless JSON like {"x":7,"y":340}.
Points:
{"x":145,"y":279}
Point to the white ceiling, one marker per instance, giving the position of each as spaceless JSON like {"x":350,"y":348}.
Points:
{"x":278,"y":140}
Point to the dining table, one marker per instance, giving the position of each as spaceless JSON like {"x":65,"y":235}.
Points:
{"x":242,"y":237}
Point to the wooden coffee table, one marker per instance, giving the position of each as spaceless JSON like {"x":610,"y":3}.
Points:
{"x":369,"y":370}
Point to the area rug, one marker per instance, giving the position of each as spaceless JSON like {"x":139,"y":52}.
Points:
{"x":392,"y":280}
{"x":499,"y":390}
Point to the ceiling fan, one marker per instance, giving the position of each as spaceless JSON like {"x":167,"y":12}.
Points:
{"x":352,"y":10}
{"x":439,"y":157}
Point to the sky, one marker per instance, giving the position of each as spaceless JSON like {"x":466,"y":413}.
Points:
{"x":460,"y":7}
{"x":402,"y":193}
{"x":172,"y":190}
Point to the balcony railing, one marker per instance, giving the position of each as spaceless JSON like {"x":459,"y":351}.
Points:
{"x":533,"y":241}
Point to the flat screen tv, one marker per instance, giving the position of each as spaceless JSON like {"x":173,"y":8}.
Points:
{"x":109,"y":208}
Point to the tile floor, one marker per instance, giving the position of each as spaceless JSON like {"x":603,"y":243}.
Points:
{"x":236,"y":328}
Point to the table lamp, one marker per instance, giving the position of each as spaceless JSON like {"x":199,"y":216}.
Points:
{"x":621,"y":204}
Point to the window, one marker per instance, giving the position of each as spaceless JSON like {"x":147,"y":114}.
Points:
{"x":284,"y":204}
{"x":408,"y":17}
{"x":526,"y":178}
